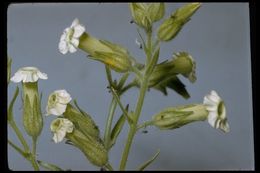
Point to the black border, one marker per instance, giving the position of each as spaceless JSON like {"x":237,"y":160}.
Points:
{"x":3,"y":49}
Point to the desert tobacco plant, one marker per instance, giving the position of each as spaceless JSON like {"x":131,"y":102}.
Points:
{"x":76,"y":127}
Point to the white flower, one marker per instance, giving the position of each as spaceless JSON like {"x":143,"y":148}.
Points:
{"x":69,"y":40}
{"x":57,"y":102}
{"x":28,"y":74}
{"x":217,"y":111}
{"x":60,"y":127}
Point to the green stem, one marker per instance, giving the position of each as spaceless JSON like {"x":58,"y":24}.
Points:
{"x":143,"y":89}
{"x":34,"y":146}
{"x":34,"y":164}
{"x":19,"y":135}
{"x":134,"y":125}
{"x":33,"y":157}
{"x":121,"y":105}
{"x":24,"y":143}
{"x":128,"y":86}
{"x":18,"y":149}
{"x":145,"y":124}
{"x":111,"y":113}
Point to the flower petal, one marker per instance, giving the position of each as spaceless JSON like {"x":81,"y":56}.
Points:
{"x":63,"y":36}
{"x":59,"y":136}
{"x":72,"y":49}
{"x":63,"y":96}
{"x":212,"y":117}
{"x":18,"y":77}
{"x":60,"y":127}
{"x":74,"y":42}
{"x":63,"y":47}
{"x":57,"y":102}
{"x":75,"y":23}
{"x":42,"y":75}
{"x":78,"y":30}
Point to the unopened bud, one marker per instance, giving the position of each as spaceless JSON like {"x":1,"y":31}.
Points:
{"x":172,"y":26}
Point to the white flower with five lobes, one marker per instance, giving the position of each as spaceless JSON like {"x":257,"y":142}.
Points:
{"x":69,"y":40}
{"x":60,"y":127}
{"x":217,"y":111}
{"x":28,"y":74}
{"x":57,"y":102}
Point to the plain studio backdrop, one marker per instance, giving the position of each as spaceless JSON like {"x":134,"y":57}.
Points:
{"x":218,"y":37}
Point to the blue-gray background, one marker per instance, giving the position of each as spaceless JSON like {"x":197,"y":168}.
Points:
{"x":218,"y":39}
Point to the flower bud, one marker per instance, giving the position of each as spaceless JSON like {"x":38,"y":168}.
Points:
{"x":175,"y":117}
{"x":32,"y":117}
{"x":140,"y":14}
{"x":144,"y":14}
{"x":185,"y":12}
{"x":172,"y":26}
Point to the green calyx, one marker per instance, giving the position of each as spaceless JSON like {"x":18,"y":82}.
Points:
{"x":145,"y":14}
{"x":172,"y":25}
{"x":113,"y":55}
{"x":175,"y":117}
{"x":32,"y":116}
{"x":92,"y":148}
{"x":82,"y":121}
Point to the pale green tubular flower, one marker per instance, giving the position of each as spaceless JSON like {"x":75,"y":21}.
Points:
{"x":217,"y":117}
{"x":32,"y":117}
{"x":63,"y":128}
{"x":181,"y":63}
{"x":59,"y":105}
{"x":213,"y":110}
{"x":113,"y":55}
{"x":175,"y":117}
{"x":76,"y":126}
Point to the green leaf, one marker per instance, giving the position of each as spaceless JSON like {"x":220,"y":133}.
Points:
{"x":175,"y":84}
{"x":148,"y":162}
{"x":10,"y":108}
{"x":117,"y":128}
{"x":153,"y":61}
{"x":48,"y":166}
